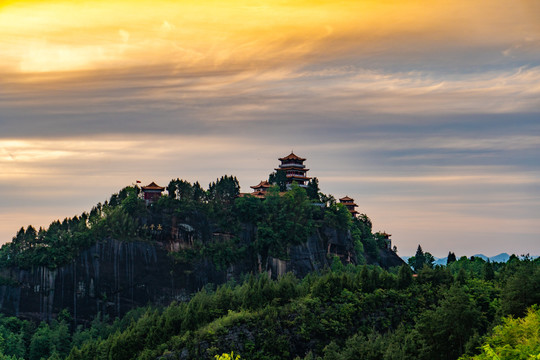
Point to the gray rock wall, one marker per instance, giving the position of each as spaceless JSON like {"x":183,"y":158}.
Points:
{"x":112,"y":277}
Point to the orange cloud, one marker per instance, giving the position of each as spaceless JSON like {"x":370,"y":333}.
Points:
{"x":61,"y":35}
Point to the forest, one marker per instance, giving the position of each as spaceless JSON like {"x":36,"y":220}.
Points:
{"x":468,"y":309}
{"x":281,"y":220}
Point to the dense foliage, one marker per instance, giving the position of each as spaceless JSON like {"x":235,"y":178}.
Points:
{"x":119,"y":218}
{"x":513,"y":339}
{"x":280,"y":220}
{"x":351,"y":312}
{"x":344,"y":312}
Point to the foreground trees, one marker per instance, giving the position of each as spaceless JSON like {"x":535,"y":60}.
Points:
{"x":344,"y":313}
{"x":514,"y":339}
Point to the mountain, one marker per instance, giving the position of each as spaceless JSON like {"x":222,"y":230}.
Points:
{"x":440,"y":261}
{"x":130,"y":251}
{"x":502,"y":257}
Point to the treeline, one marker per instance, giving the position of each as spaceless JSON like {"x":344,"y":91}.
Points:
{"x":62,"y":241}
{"x":345,"y":312}
{"x":281,"y":220}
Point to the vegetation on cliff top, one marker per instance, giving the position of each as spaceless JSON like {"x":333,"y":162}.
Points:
{"x":280,"y":221}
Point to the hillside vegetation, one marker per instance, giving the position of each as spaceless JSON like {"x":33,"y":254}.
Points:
{"x":281,"y":221}
{"x":345,"y":312}
{"x":352,"y":309}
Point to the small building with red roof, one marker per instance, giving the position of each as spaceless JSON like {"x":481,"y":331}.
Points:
{"x":384,"y":237}
{"x":152,"y":192}
{"x":262,"y":186}
{"x":349,"y":204}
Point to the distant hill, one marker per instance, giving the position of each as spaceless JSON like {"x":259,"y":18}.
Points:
{"x":485,"y":258}
{"x":502,"y":257}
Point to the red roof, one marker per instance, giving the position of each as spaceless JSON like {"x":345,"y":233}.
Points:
{"x":259,"y":194}
{"x":153,"y":186}
{"x":297,"y":177}
{"x":287,"y":167}
{"x":291,"y":156}
{"x":262,"y":184}
{"x":346,"y":198}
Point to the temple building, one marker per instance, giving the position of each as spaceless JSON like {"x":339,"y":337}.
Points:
{"x":385,"y":238}
{"x":294,"y":169}
{"x":152,"y":192}
{"x":349,"y":204}
{"x":260,"y":189}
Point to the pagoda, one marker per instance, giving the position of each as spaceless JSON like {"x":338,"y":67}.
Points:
{"x":260,"y":189}
{"x":294,"y":169}
{"x":349,"y":204}
{"x":152,"y":192}
{"x":385,"y":238}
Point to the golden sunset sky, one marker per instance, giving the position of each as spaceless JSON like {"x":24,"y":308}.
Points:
{"x":426,"y":112}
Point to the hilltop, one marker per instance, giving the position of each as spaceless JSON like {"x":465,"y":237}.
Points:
{"x":283,"y":272}
{"x":158,"y":244}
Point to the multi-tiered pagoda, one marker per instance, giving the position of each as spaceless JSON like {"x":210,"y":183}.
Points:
{"x":349,"y":204}
{"x":294,"y":169}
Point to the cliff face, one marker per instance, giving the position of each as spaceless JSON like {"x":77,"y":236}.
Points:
{"x":316,"y":253}
{"x":113,"y":277}
{"x":110,"y":277}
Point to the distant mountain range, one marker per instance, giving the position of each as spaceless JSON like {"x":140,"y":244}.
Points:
{"x":502,"y":257}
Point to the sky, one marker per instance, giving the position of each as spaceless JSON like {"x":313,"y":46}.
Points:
{"x":426,"y":113}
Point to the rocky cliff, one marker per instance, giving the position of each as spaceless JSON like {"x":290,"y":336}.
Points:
{"x":113,"y":277}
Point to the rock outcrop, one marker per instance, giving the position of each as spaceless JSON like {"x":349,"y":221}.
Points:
{"x":112,"y":277}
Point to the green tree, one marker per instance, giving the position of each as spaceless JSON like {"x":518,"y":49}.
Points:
{"x":132,"y":204}
{"x":522,"y":289}
{"x":279,"y":178}
{"x":445,"y":330}
{"x":450,"y":258}
{"x":312,"y":189}
{"x":421,"y":259}
{"x":249,"y":209}
{"x":41,"y":345}
{"x":514,"y":339}
{"x":287,"y":221}
{"x":224,"y":190}
{"x":418,"y":260}
{"x":226,"y":356}
{"x":405,"y":276}
{"x":489,"y":273}
{"x":461,"y":277}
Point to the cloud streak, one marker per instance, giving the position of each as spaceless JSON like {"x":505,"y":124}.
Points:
{"x":427,"y":115}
